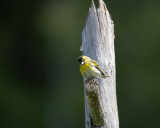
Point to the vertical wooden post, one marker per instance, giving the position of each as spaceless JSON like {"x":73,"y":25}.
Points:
{"x":98,"y":44}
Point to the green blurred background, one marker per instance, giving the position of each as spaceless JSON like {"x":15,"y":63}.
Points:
{"x":40,"y":83}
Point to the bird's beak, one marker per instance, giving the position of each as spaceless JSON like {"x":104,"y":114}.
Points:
{"x":82,"y":62}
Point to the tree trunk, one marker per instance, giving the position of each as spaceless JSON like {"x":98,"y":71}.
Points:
{"x":100,"y":95}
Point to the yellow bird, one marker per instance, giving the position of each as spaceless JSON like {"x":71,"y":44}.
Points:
{"x":89,"y":68}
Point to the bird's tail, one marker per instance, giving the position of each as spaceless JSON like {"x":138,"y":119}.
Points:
{"x":104,"y":76}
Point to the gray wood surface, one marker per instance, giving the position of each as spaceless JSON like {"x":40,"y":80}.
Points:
{"x":98,"y":44}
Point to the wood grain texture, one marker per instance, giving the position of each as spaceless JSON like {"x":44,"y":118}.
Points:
{"x":98,"y":44}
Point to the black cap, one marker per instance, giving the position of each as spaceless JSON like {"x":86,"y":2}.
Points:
{"x":80,"y":59}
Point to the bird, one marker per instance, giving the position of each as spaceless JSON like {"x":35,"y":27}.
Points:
{"x":89,"y":68}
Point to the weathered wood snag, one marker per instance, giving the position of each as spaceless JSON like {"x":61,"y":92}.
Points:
{"x":98,"y":43}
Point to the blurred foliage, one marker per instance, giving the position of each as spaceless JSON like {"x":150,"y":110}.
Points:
{"x":40,"y":83}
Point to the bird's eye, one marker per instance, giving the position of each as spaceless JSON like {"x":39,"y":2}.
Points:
{"x":80,"y":59}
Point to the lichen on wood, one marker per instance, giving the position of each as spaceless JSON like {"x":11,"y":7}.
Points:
{"x":92,"y":93}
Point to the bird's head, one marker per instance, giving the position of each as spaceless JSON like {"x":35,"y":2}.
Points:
{"x":83,"y":59}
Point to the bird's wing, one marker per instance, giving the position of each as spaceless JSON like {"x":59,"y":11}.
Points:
{"x":95,"y":63}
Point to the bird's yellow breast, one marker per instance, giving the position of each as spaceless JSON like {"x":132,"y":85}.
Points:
{"x":84,"y":68}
